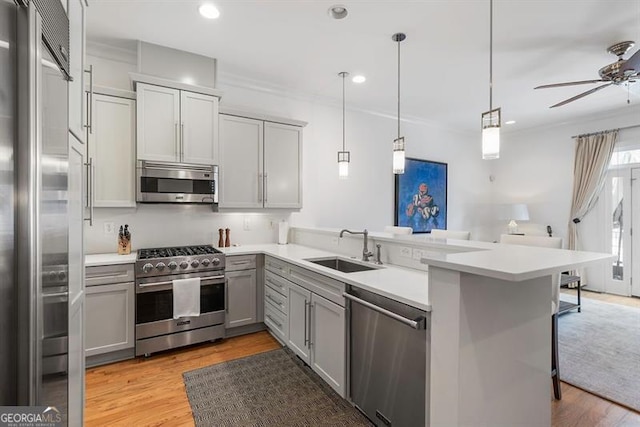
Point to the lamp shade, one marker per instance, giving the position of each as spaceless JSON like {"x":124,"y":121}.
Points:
{"x":516,"y":211}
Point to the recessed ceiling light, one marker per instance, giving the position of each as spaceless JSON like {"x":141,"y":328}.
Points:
{"x":338,"y":11}
{"x":209,"y":11}
{"x":509,"y":122}
{"x":359,"y":79}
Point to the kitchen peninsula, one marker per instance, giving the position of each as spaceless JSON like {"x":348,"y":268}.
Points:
{"x":490,"y":317}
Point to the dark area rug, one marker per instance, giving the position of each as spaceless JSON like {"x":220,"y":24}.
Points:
{"x":268,"y":389}
{"x":600,"y":350}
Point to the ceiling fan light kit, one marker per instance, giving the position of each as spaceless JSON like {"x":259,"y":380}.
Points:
{"x":623,"y":71}
{"x":491,"y":119}
{"x":344,"y":157}
{"x":398,"y":143}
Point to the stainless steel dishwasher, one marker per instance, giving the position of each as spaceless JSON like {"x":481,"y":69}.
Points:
{"x":388,"y":359}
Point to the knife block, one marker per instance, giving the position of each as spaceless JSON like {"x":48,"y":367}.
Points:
{"x":124,"y":246}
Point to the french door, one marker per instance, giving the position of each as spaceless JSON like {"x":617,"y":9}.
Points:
{"x":635,"y":237}
{"x":617,"y":198}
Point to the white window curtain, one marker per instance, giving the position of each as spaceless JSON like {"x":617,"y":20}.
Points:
{"x":592,"y":157}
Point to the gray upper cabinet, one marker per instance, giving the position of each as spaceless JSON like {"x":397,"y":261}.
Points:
{"x":112,"y":148}
{"x":260,"y":163}
{"x":176,"y":126}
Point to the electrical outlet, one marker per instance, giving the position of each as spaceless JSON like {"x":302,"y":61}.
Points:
{"x":417,"y":254}
{"x":246,"y":226}
{"x":405,"y":252}
{"x":109,"y":228}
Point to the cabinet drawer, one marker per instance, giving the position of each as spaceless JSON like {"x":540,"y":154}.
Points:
{"x":240,"y":262}
{"x":276,"y":321}
{"x":317,"y":283}
{"x":276,"y":282}
{"x":109,"y":274}
{"x":276,"y":299}
{"x":276,"y":266}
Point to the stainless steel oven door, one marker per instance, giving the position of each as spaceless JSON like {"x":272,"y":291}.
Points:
{"x":176,"y":183}
{"x":154,"y":306}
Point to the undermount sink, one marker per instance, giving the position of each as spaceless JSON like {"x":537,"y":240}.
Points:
{"x":342,"y":265}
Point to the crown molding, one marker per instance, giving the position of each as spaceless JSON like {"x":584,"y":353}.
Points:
{"x":241,"y":82}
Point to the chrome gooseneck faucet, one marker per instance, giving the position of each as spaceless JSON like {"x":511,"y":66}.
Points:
{"x":366,"y":254}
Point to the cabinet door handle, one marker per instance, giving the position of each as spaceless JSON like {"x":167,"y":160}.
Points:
{"x":182,"y":142}
{"x":177,"y":140}
{"x":266,"y":180}
{"x":312,"y":306}
{"x":275,"y":284}
{"x":260,"y":187}
{"x":89,"y":125}
{"x":306,"y":338}
{"x":274,"y":321}
{"x":275,"y":301}
{"x":90,"y":190}
{"x":226,"y":295}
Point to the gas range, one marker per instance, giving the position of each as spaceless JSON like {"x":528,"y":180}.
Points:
{"x":178,"y":260}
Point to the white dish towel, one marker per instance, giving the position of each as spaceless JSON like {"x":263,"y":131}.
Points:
{"x":186,"y":298}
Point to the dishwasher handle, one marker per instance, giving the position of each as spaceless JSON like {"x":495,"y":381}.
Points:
{"x":418,"y":323}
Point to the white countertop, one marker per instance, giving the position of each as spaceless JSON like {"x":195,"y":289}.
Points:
{"x":511,"y":262}
{"x":401,"y":284}
{"x":109,"y":259}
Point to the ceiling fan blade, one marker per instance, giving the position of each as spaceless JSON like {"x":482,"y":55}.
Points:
{"x":633,"y":63}
{"x":581,"y":82}
{"x":582,"y":95}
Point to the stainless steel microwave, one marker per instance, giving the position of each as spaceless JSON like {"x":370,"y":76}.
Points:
{"x":159,"y":182}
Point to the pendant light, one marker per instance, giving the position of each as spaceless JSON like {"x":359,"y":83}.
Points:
{"x":344,"y":157}
{"x":491,"y":119}
{"x":398,"y":143}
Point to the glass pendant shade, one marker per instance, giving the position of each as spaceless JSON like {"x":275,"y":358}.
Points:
{"x":491,"y":134}
{"x":343,"y":164}
{"x":398,"y":156}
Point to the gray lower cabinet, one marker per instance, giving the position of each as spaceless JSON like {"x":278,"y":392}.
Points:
{"x":299,"y":322}
{"x":241,"y":298}
{"x":244,"y":294}
{"x":110,"y":314}
{"x":315,"y":319}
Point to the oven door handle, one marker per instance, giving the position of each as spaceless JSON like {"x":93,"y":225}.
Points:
{"x":170,"y":282}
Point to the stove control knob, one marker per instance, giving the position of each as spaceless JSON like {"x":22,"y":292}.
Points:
{"x":195,"y":263}
{"x":184,"y":264}
{"x":147,"y":267}
{"x":206,"y":262}
{"x":173,"y":265}
{"x":215,"y":261}
{"x":160,"y":266}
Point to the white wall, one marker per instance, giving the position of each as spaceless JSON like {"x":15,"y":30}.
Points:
{"x":536,"y":167}
{"x":365,"y":200}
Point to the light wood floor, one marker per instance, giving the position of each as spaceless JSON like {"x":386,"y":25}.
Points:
{"x":150,"y":392}
{"x":614,"y":299}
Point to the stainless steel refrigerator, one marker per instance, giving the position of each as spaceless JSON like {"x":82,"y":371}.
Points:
{"x":37,"y":367}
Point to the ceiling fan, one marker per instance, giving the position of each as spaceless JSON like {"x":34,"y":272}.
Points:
{"x":616,"y":73}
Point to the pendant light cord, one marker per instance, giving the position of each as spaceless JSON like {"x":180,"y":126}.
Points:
{"x":399,"y":87}
{"x":490,"y":55}
{"x":343,"y":114}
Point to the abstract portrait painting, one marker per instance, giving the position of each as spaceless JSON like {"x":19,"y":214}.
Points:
{"x":421,"y":196}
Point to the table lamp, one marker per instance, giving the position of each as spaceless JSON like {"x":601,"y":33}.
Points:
{"x":514,"y":212}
